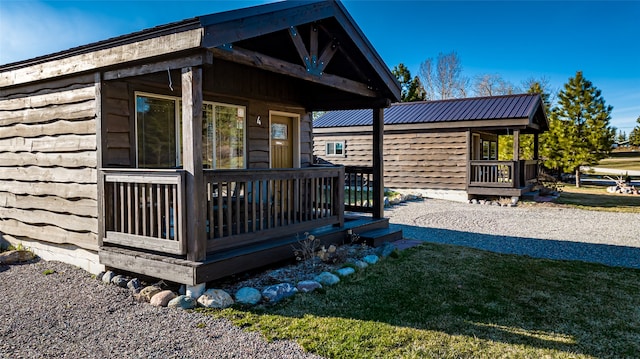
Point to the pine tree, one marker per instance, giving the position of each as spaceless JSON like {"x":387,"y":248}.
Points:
{"x":505,"y":146}
{"x":412,"y":89}
{"x":634,"y":135}
{"x":579,"y":133}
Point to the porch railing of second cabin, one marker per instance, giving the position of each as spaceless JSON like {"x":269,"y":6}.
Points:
{"x":145,"y":209}
{"x":245,"y":206}
{"x":491,"y":173}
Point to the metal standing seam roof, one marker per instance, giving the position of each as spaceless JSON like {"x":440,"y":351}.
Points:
{"x":467,"y":109}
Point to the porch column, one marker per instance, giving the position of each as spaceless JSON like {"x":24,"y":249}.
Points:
{"x":516,"y":158}
{"x":192,"y":163}
{"x":536,"y":148}
{"x":378,"y":165}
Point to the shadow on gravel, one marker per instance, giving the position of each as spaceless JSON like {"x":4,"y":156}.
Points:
{"x":620,"y":256}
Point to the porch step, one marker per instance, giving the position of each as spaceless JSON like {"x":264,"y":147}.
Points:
{"x":377,"y":237}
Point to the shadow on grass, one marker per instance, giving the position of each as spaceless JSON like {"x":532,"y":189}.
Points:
{"x":475,"y":303}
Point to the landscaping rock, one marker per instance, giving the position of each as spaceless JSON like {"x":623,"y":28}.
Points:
{"x":99,"y":276}
{"x":371,"y":259}
{"x":195,"y":291}
{"x":278,"y":292}
{"x":182,"y":302}
{"x":346,"y":271}
{"x":133,"y":284}
{"x":16,"y":256}
{"x":120,"y":281}
{"x":162,"y":299}
{"x":360,"y":264}
{"x":385,"y":250}
{"x":326,"y":278}
{"x":248,"y":296}
{"x":215,"y":298}
{"x":307,"y":286}
{"x":148,"y":292}
{"x":108,"y":276}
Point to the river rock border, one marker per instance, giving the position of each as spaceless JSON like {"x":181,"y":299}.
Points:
{"x":190,"y":297}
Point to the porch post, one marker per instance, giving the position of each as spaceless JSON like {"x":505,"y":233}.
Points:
{"x":378,"y":165}
{"x":536,"y":148}
{"x":516,"y":158}
{"x":192,"y":163}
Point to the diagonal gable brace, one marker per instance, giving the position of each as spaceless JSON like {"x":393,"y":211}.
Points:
{"x":314,"y":64}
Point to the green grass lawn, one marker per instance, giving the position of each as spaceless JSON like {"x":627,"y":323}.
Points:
{"x":622,"y":160}
{"x":597,"y":198}
{"x":440,"y":301}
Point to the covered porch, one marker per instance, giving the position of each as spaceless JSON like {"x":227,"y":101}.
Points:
{"x":490,"y":176}
{"x":233,"y":186}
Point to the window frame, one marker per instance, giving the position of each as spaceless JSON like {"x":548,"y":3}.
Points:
{"x":334,"y":154}
{"x":178,"y":127}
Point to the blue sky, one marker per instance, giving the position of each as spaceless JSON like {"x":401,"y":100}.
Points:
{"x":515,"y":39}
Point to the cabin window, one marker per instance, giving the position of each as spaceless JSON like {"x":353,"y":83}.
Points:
{"x":489,"y":150}
{"x":159,"y":133}
{"x":335,"y":149}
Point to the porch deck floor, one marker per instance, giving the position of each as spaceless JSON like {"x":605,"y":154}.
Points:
{"x":228,"y":262}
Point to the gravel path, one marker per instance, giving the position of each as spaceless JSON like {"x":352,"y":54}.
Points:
{"x":69,"y":315}
{"x":537,"y":231}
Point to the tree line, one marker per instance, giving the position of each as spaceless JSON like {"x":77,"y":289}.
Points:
{"x":580,"y":133}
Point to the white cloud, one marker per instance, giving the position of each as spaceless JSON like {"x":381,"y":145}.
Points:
{"x":30,"y":29}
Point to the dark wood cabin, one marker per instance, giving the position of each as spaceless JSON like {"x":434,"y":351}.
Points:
{"x":443,"y":149}
{"x":184,"y":152}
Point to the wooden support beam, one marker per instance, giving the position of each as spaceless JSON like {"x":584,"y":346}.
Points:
{"x":100,"y":146}
{"x":516,"y":158}
{"x":192,"y":163}
{"x":204,"y":58}
{"x":299,"y":44}
{"x":536,"y":146}
{"x":313,"y":43}
{"x":378,"y":163}
{"x":255,"y":59}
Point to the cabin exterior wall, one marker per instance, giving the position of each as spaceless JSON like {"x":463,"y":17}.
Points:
{"x":48,"y":169}
{"x":433,"y":163}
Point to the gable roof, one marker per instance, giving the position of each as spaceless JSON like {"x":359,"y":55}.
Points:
{"x":478,"y":109}
{"x":263,"y":29}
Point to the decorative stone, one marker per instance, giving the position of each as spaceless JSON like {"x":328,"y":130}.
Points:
{"x":182,"y":290}
{"x":248,"y":296}
{"x":385,"y":250}
{"x":16,"y":256}
{"x":371,"y":259}
{"x":120,"y":281}
{"x":148,"y":292}
{"x":326,"y":278}
{"x":182,"y":302}
{"x":215,"y":298}
{"x":108,"y":276}
{"x":474,"y":201}
{"x":195,"y":291}
{"x":278,"y":292}
{"x":307,"y":286}
{"x":99,"y":275}
{"x":346,"y":271}
{"x":162,"y":299}
{"x":133,"y":284}
{"x":360,"y":264}
{"x":386,"y":202}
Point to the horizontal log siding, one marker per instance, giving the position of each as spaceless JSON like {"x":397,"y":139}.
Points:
{"x":435,"y":160}
{"x":48,"y":177}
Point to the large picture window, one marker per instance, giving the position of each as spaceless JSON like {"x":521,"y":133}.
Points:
{"x":159,"y":139}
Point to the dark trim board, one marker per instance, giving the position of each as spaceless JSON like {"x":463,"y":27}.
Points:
{"x":496,"y":191}
{"x":225,"y":263}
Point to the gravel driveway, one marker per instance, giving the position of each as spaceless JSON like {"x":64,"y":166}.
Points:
{"x":69,"y":315}
{"x":537,"y":231}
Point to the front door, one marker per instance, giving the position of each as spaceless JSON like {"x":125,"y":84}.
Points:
{"x":282,"y":141}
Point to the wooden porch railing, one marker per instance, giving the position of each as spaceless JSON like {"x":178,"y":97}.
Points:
{"x":358,"y":189}
{"x":509,"y":174}
{"x":144,"y":209}
{"x":245,"y":206}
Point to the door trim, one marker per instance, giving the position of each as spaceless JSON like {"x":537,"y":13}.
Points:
{"x":295,"y":135}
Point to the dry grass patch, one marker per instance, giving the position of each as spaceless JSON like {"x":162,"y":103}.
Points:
{"x":598,"y":199}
